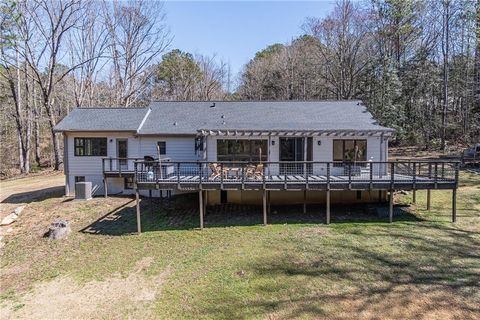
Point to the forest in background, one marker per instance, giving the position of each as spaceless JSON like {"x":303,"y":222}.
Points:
{"x":415,"y":64}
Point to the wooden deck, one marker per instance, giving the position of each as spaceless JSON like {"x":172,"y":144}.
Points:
{"x":328,"y":176}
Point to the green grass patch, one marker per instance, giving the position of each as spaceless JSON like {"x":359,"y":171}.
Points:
{"x":408,"y":269}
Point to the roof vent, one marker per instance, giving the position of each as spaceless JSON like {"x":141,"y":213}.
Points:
{"x":213,"y":105}
{"x":175,"y":123}
{"x":224,"y":122}
{"x":223,"y":116}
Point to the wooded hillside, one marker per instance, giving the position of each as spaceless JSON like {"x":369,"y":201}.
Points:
{"x":416,"y":64}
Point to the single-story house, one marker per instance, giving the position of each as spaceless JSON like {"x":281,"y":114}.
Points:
{"x":236,"y":151}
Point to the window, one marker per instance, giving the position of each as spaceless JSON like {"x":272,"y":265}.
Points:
{"x":162,"y":147}
{"x":349,"y":150}
{"x":90,"y":147}
{"x":242,"y":150}
{"x":128,"y":183}
{"x":199,"y":144}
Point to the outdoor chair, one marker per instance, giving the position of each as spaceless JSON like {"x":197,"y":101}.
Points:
{"x":258,"y":171}
{"x":249,"y":171}
{"x":216,"y":170}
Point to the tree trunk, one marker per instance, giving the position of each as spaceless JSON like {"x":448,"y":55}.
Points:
{"x":36,"y":126}
{"x":445,"y":45}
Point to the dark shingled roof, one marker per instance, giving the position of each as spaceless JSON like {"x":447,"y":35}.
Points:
{"x":188,"y":117}
{"x":170,"y":117}
{"x":103,"y":119}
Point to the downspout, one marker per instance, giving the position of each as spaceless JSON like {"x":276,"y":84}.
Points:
{"x":65,"y":164}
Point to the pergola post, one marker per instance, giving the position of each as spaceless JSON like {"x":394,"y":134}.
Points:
{"x":200,"y":199}
{"x":428,"y":199}
{"x":390,"y":209}
{"x":328,"y":207}
{"x":454,"y":205}
{"x":414,"y":196}
{"x":139,"y":223}
{"x":264,"y":207}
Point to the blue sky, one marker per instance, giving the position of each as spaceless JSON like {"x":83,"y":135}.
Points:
{"x":235,"y":30}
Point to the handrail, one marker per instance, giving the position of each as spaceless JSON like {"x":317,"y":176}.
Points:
{"x":389,"y":173}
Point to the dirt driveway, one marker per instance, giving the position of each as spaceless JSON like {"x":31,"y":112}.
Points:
{"x":17,"y":192}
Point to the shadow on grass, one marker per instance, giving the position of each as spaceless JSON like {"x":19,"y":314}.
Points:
{"x":35,"y":196}
{"x":403,"y":273}
{"x":181,"y":213}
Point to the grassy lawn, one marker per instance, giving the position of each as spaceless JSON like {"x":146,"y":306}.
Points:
{"x":421,"y":266}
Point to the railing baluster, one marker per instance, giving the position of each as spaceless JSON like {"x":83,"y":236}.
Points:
{"x":306,"y":175}
{"x":263,"y":177}
{"x":392,"y":175}
{"x":436,"y":174}
{"x":135,"y":176}
{"x":178,"y":175}
{"x":349,"y":176}
{"x":243,"y":176}
{"x":221,"y":175}
{"x":371,"y":175}
{"x":328,"y":175}
{"x":414,"y":175}
{"x":111,"y":168}
{"x":201,"y":174}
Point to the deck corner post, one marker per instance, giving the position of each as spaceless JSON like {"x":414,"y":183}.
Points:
{"x":390,"y":207}
{"x":414,"y":196}
{"x":105,"y":186}
{"x":328,"y":207}
{"x":264,"y":207}
{"x":454,"y":205}
{"x":139,"y":223}
{"x":200,"y":200}
{"x":429,"y":196}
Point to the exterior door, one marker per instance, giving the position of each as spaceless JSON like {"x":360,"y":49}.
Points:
{"x":293,"y":149}
{"x":122,"y":153}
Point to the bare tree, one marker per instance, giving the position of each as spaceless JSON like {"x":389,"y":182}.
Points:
{"x":212,"y":80}
{"x":138,"y":36}
{"x":342,"y":37}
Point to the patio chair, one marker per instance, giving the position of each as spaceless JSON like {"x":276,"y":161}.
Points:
{"x":216,"y":170}
{"x":258,"y":171}
{"x":249,"y":171}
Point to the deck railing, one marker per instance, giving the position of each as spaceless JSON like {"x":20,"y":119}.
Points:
{"x":302,"y":172}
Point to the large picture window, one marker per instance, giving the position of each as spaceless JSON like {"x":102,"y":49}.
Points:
{"x":242,"y":150}
{"x":91,"y":147}
{"x":349,"y":150}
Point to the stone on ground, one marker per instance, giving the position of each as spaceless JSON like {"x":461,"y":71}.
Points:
{"x":59,"y":229}
{"x":9,"y":219}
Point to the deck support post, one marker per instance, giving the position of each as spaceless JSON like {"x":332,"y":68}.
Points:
{"x":139,"y":223}
{"x":264,"y":207}
{"x":268,"y":200}
{"x":328,"y":207}
{"x":105,"y":186}
{"x":428,"y":199}
{"x":150,"y":200}
{"x":200,"y":205}
{"x":390,"y":207}
{"x":454,"y":205}
{"x":205,"y":201}
{"x":304,"y":201}
{"x":414,"y":196}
